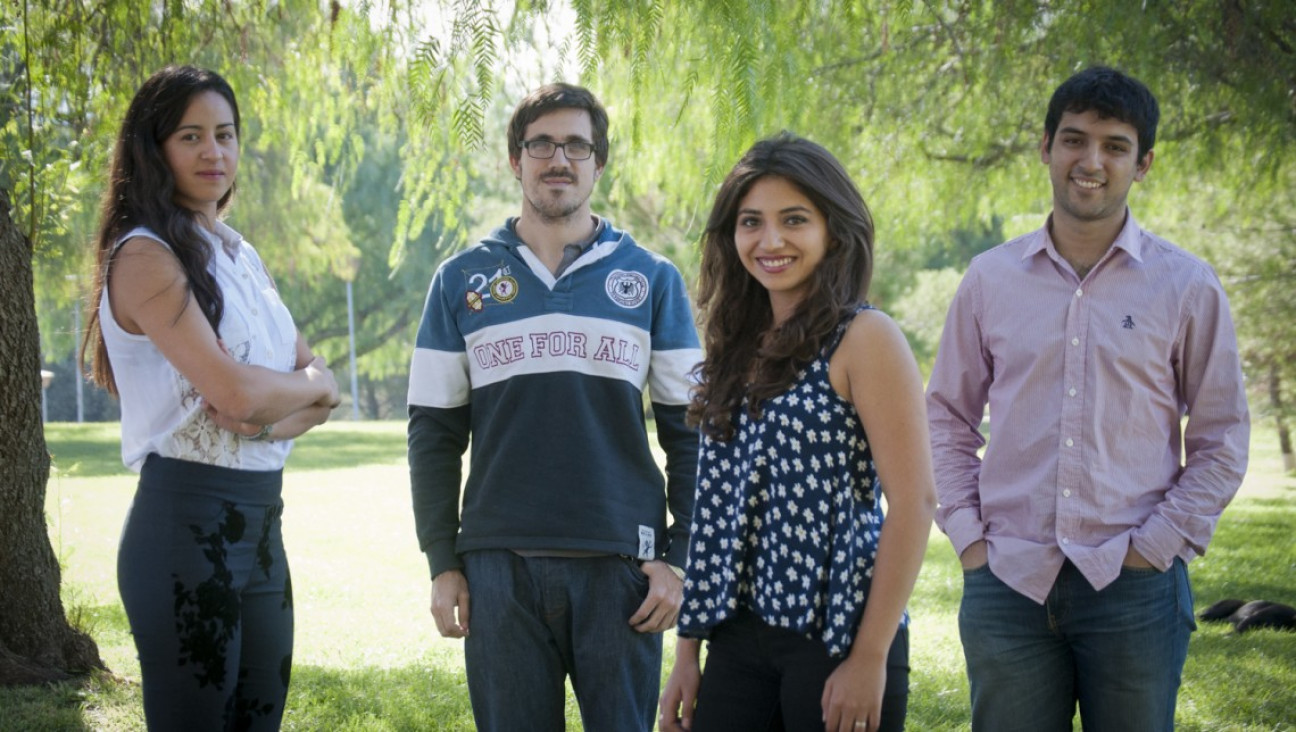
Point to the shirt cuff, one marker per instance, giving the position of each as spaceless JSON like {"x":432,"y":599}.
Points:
{"x":964,"y":528}
{"x":1158,"y":542}
{"x":677,"y":554}
{"x":441,"y":557}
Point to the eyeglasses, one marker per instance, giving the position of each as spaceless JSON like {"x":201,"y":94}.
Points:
{"x":573,"y":149}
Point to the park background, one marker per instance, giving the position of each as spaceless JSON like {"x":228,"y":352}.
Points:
{"x":373,"y":147}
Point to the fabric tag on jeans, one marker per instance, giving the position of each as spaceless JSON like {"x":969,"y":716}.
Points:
{"x":647,"y":543}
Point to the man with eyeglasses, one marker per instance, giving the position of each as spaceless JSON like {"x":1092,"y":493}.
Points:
{"x":538,"y":343}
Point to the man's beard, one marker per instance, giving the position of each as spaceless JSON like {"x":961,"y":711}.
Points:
{"x":556,"y":210}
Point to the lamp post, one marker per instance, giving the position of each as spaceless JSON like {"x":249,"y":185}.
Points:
{"x":46,"y":377}
{"x":76,"y":335}
{"x":352,"y":270}
{"x":355,"y":389}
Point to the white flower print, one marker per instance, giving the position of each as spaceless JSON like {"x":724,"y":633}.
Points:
{"x":804,"y":528}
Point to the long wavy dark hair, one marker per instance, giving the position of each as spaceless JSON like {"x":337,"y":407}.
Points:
{"x":141,"y":192}
{"x":746,"y":354}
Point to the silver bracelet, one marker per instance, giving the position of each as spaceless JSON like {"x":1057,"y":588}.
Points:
{"x":264,"y":434}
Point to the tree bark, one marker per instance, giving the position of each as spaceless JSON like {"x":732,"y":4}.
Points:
{"x":36,"y":642}
{"x":1284,"y":434}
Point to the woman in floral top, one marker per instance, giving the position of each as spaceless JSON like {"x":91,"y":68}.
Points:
{"x":811,"y":410}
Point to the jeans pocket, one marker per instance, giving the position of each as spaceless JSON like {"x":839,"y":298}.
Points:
{"x":633,"y":570}
{"x":1184,"y":593}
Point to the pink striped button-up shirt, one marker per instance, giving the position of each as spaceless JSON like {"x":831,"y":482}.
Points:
{"x":1087,"y":382}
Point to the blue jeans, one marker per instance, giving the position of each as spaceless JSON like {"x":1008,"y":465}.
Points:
{"x":1118,"y":652}
{"x":536,"y":620}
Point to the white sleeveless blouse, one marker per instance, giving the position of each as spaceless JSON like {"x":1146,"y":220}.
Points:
{"x":161,"y":411}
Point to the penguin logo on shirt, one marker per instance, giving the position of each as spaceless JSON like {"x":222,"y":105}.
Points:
{"x":627,"y":289}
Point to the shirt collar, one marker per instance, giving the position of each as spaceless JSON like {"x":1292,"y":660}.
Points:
{"x":1130,"y":239}
{"x":225,"y":237}
{"x":600,"y":226}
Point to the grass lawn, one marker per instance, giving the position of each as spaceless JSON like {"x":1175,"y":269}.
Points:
{"x":368,"y":657}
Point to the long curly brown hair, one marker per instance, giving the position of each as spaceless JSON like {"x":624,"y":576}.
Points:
{"x":141,"y":190}
{"x":746,"y":354}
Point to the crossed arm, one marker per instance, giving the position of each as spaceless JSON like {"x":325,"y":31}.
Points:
{"x":149,"y":295}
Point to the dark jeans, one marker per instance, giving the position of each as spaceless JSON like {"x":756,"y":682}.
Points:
{"x":536,"y":620}
{"x":205,"y":584}
{"x":1118,"y":652}
{"x":759,"y":678}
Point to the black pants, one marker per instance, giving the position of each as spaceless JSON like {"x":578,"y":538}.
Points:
{"x":205,"y":583}
{"x":762,"y":678}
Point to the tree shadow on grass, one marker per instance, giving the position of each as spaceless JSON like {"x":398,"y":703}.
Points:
{"x":99,"y":701}
{"x":85,"y":458}
{"x":94,"y":452}
{"x":47,"y":708}
{"x":1251,"y":555}
{"x":1249,"y":676}
{"x":417,"y":697}
{"x":1230,"y":677}
{"x":327,"y":450}
{"x":420,"y":696}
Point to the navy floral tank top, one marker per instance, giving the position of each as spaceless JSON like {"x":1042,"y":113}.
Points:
{"x":787,"y":515}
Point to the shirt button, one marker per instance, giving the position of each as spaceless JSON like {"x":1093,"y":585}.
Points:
{"x":254,"y":312}
{"x":1070,"y":442}
{"x":1065,"y":541}
{"x":1075,"y":341}
{"x":1079,"y":292}
{"x":1066,"y":493}
{"x":1072,"y":392}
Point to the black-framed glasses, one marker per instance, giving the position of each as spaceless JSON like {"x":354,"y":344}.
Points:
{"x":573,"y":149}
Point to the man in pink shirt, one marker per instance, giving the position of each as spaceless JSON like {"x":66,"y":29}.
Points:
{"x":1090,"y":339}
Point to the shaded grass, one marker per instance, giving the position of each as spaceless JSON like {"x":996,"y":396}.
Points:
{"x":368,"y":657}
{"x":350,"y":444}
{"x":1256,"y":533}
{"x":53,"y":707}
{"x":93,"y":449}
{"x":88,"y":450}
{"x":1244,"y":681}
{"x":420,"y":696}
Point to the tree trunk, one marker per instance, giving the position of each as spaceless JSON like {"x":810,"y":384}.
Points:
{"x":36,"y":643}
{"x":371,"y":406}
{"x":1284,"y":434}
